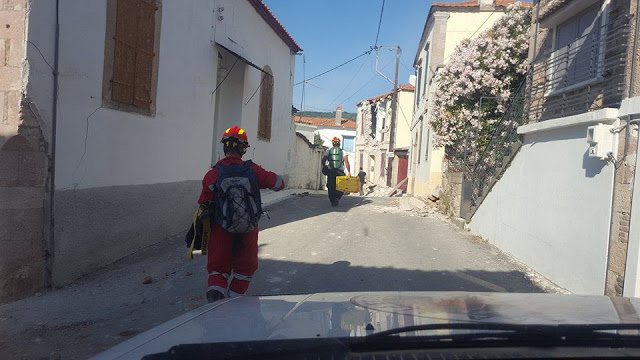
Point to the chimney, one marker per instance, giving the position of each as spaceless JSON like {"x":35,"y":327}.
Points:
{"x":486,"y":4}
{"x":339,"y":116}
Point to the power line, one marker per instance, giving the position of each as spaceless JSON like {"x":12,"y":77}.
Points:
{"x":304,"y":75}
{"x":255,"y":92}
{"x":350,"y":81}
{"x":379,"y":23}
{"x":317,"y":108}
{"x":367,"y":83}
{"x":334,"y":68}
{"x":225,"y":77}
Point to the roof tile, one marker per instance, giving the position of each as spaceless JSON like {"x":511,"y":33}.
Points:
{"x":268,"y":16}
{"x":346,"y":124}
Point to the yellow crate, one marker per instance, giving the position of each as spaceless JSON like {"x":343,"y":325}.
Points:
{"x":348,"y":184}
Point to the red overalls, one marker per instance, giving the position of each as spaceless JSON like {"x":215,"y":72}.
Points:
{"x":231,"y":267}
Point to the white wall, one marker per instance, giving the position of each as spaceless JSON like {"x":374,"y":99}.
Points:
{"x":175,"y":145}
{"x":307,"y":130}
{"x":124,"y":148}
{"x":551,"y":209}
{"x":307,"y":162}
{"x":329,"y":133}
{"x":245,"y":32}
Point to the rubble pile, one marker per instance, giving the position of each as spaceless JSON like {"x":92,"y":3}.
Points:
{"x":379,"y":191}
{"x":423,"y":208}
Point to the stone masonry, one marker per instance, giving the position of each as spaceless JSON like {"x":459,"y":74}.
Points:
{"x":23,"y":167}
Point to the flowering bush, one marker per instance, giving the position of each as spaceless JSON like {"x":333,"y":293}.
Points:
{"x":490,"y":67}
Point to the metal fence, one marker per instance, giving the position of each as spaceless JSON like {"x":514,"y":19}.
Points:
{"x":484,"y":166}
{"x":586,"y":75}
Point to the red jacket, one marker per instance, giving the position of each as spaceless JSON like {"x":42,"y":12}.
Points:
{"x":266,"y":179}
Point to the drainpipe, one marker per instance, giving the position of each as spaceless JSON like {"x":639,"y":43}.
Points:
{"x":54,"y":122}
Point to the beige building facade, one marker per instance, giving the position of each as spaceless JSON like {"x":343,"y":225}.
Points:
{"x":373,"y":147}
{"x":446,"y":26}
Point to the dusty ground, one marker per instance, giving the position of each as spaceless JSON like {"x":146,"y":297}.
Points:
{"x":306,"y":246}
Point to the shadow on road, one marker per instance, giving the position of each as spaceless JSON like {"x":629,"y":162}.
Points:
{"x":284,"y":277}
{"x":298,"y":209}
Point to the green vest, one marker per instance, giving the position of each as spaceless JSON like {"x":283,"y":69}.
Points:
{"x":335,"y":158}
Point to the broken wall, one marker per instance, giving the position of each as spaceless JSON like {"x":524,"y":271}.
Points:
{"x":24,"y":162}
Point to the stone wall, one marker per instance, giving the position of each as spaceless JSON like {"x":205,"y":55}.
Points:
{"x":451,"y":189}
{"x":24,"y":165}
{"x":306,"y":165}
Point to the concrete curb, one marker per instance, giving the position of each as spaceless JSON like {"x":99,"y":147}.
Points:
{"x":270,"y":198}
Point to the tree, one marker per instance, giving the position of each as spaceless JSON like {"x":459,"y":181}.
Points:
{"x":317,"y":140}
{"x":490,"y":67}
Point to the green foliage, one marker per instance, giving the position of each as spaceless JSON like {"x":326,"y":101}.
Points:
{"x":326,"y":115}
{"x":317,"y":140}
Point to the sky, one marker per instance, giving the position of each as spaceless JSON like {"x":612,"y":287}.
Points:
{"x":334,"y":31}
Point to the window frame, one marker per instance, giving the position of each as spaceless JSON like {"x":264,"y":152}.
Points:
{"x":265,"y":124}
{"x":603,"y":16}
{"x":109,"y":60}
{"x":353,"y":138}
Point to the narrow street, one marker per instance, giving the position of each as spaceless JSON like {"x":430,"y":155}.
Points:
{"x":306,"y":246}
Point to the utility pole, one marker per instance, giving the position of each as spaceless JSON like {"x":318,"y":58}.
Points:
{"x":394,"y":111}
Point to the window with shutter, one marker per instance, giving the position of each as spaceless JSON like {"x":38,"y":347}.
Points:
{"x":131,"y":48}
{"x":577,"y":48}
{"x":266,"y":106}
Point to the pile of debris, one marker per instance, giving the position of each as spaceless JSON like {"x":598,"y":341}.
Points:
{"x":374,"y":190}
{"x":423,"y":207}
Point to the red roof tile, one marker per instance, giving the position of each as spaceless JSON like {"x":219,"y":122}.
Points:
{"x":407,"y":87}
{"x":268,"y":16}
{"x":346,"y":124}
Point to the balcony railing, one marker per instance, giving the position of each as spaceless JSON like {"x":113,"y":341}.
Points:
{"x":587,"y":75}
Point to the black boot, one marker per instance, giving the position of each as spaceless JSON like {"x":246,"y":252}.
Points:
{"x":214,"y":295}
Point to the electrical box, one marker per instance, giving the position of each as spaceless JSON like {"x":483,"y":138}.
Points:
{"x":601,"y":141}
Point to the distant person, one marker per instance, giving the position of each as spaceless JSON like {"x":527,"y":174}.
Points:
{"x":232,"y":257}
{"x":362,"y":175}
{"x":334,"y":163}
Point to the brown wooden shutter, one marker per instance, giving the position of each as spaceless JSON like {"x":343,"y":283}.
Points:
{"x":266,"y":107}
{"x":133,"y":53}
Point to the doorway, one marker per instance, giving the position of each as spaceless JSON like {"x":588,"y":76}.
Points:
{"x":228,"y":99}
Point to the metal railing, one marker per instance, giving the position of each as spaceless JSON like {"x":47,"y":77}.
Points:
{"x":586,"y":75}
{"x":484,"y":166}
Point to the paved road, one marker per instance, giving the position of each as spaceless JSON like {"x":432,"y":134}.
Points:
{"x":306,"y":246}
{"x":369,"y":244}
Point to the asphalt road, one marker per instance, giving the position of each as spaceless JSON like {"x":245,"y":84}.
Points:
{"x":306,"y":246}
{"x":368,"y":244}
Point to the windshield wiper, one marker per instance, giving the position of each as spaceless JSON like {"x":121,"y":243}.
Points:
{"x":519,"y":329}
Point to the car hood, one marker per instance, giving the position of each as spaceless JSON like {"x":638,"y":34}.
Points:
{"x":348,"y":314}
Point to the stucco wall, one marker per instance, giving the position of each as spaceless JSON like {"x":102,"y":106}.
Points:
{"x":124,"y":180}
{"x":551,"y":209}
{"x":260,"y":45}
{"x":307,"y":130}
{"x":403,"y":122}
{"x":462,"y":25}
{"x":445,"y":31}
{"x":130,"y":149}
{"x":306,"y":165}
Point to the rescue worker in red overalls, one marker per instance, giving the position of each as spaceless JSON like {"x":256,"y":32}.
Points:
{"x":233,"y":257}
